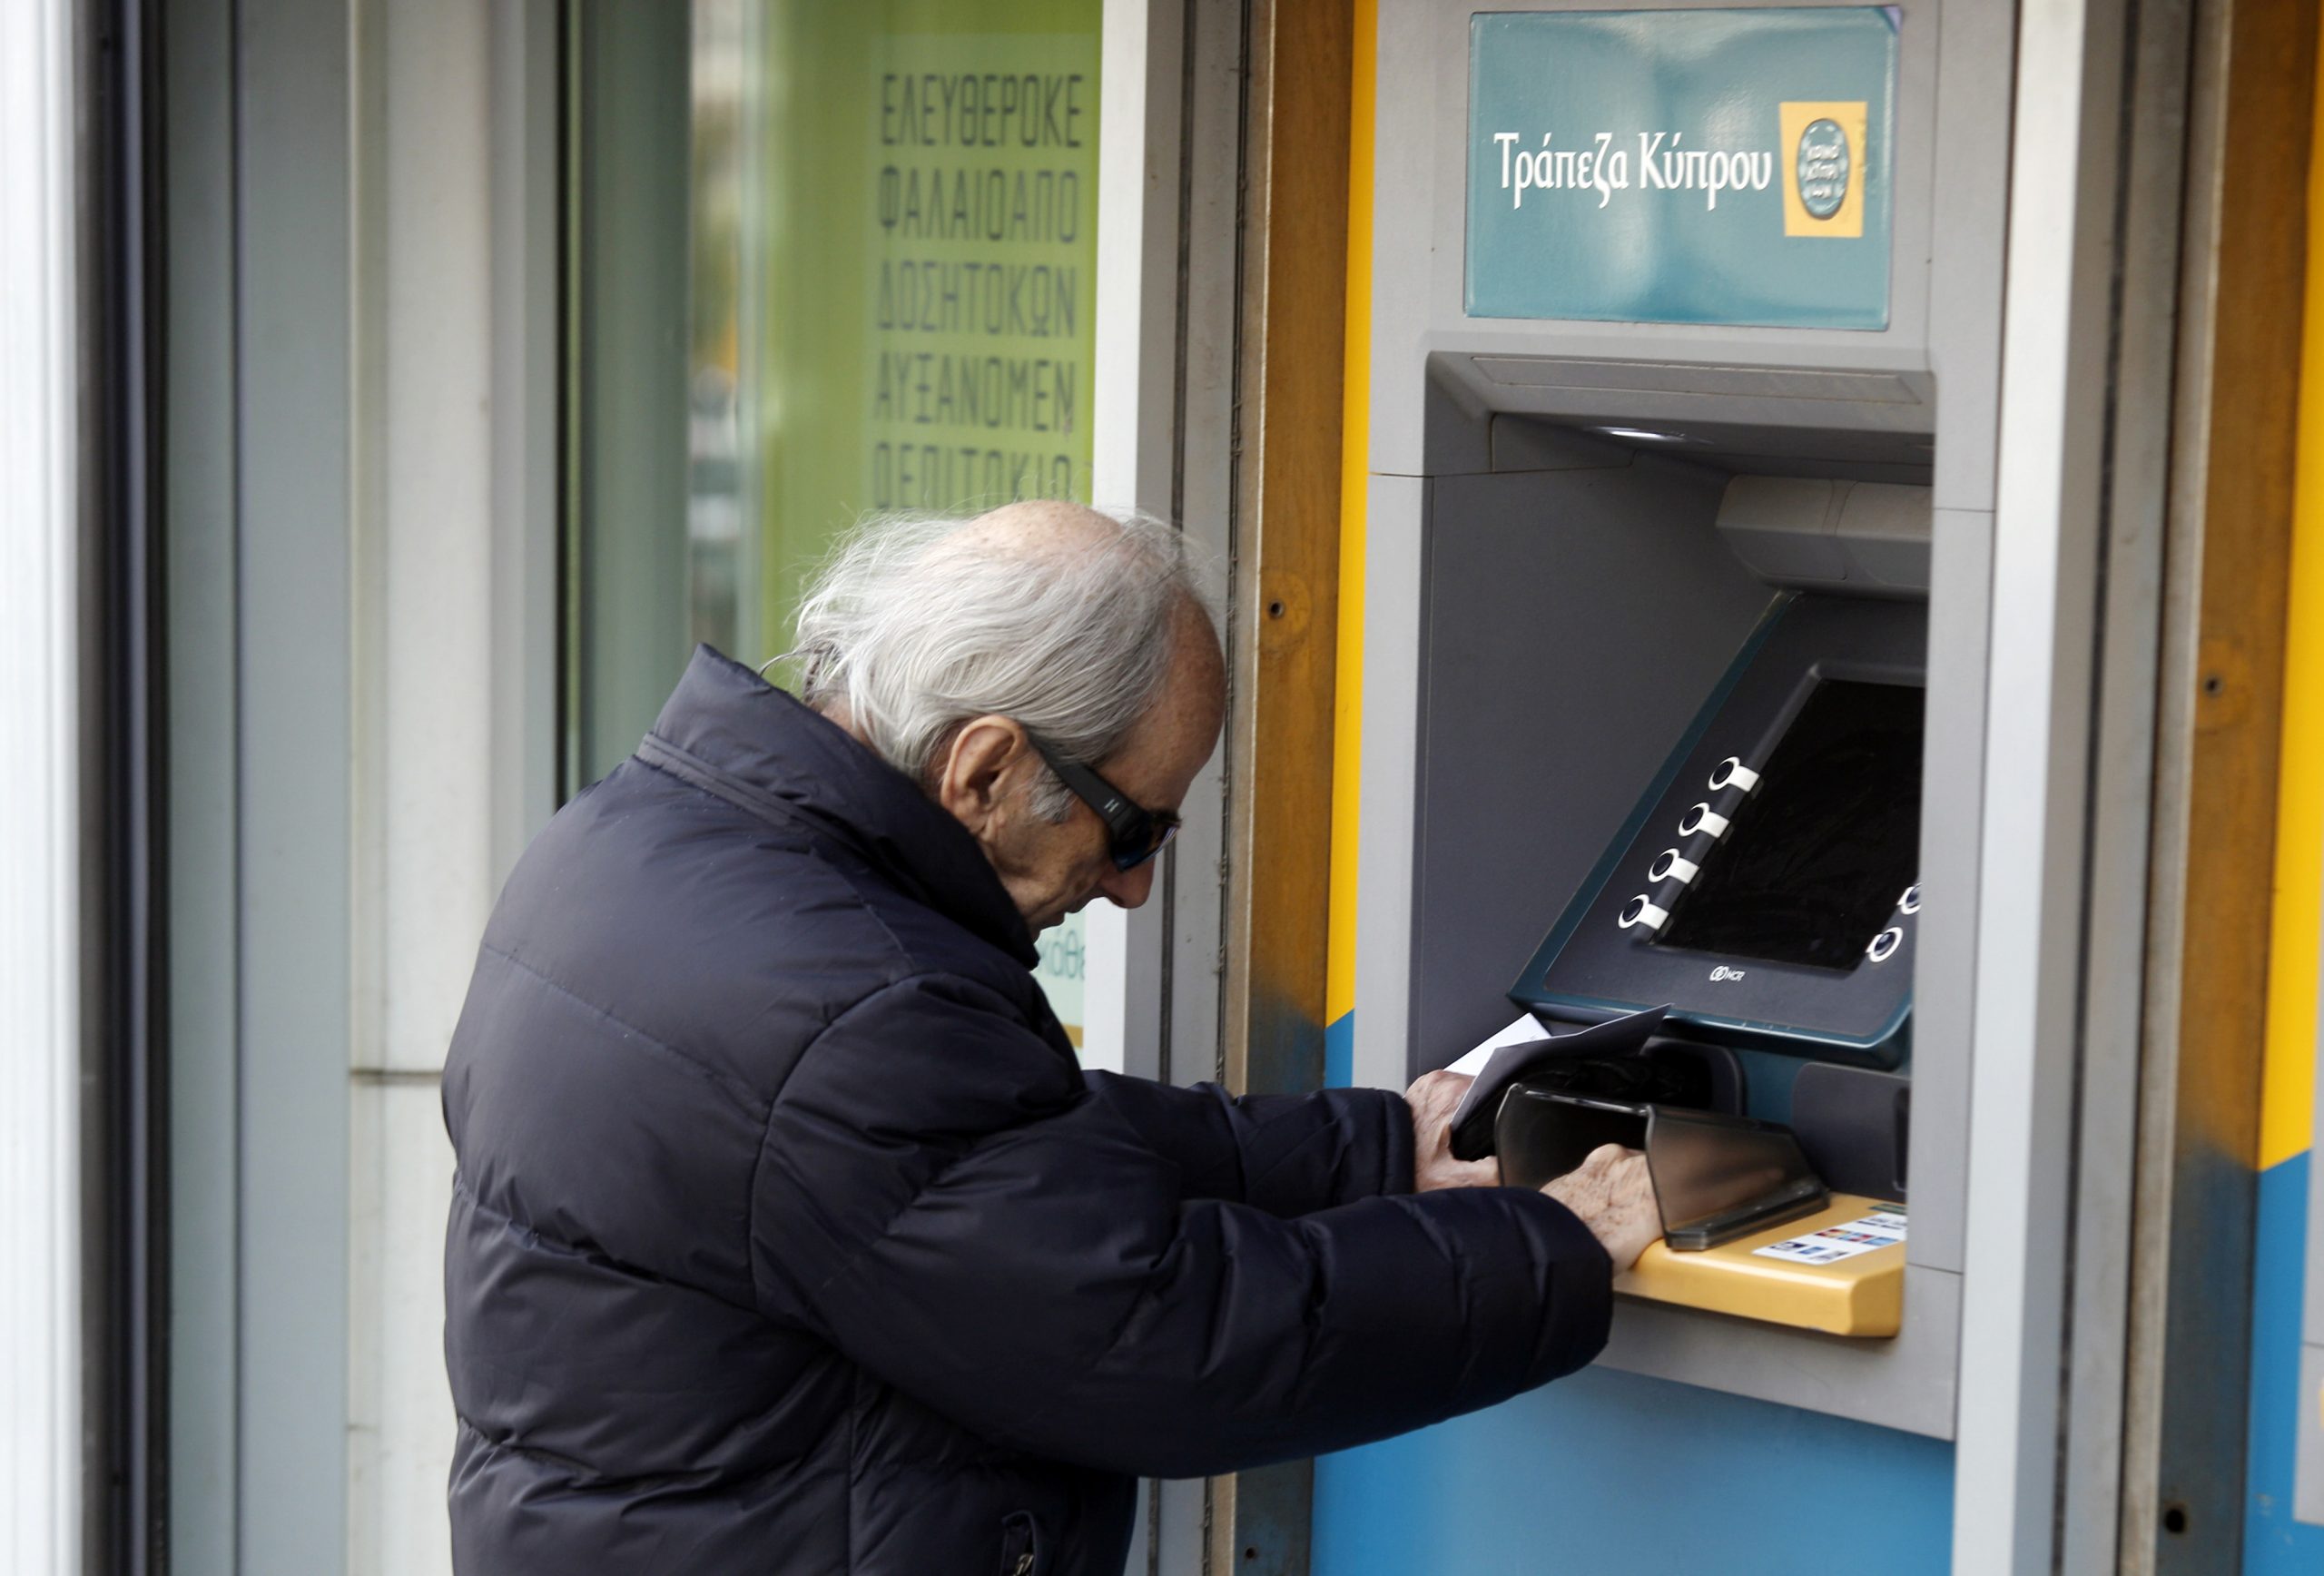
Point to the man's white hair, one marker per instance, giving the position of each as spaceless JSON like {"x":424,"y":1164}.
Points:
{"x":912,"y":628}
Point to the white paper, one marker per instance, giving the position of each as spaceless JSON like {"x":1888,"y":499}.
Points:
{"x":1881,"y":1228}
{"x":1525,"y":1045}
{"x":1524,"y":1032}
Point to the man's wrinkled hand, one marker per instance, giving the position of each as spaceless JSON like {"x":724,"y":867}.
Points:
{"x":1434,"y":1097}
{"x":1613,"y":1194}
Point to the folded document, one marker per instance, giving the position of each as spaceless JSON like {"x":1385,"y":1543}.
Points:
{"x":1522,"y":1048}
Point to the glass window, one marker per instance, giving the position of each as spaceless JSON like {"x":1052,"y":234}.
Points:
{"x":822,"y":262}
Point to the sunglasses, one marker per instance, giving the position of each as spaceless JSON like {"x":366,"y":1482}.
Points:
{"x":1137,"y":834}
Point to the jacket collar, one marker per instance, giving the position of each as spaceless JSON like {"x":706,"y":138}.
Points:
{"x":731,"y":732}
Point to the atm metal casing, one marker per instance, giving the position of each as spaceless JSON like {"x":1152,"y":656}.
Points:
{"x":1549,"y":604}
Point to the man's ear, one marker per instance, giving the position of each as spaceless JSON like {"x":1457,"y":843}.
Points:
{"x":978,"y":768}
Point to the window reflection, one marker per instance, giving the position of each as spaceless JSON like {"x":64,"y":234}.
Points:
{"x":888,"y":267}
{"x":716,"y":506}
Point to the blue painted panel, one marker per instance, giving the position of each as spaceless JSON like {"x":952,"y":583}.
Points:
{"x":1699,"y":166}
{"x":1339,"y":1052}
{"x":2273,"y":1544}
{"x":1612,"y":1474}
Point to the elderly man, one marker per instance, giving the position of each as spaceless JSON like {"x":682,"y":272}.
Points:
{"x":788,"y":1235}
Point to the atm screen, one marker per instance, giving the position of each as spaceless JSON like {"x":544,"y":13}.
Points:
{"x":1818,"y":855}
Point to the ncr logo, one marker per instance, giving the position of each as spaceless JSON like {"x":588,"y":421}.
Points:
{"x":1721,"y":974}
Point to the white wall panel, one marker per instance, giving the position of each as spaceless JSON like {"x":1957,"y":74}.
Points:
{"x":399,"y":1420}
{"x":423,"y":594}
{"x":39,"y":1312}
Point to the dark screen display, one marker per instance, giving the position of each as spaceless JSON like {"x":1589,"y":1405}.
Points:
{"x":1819,"y":854}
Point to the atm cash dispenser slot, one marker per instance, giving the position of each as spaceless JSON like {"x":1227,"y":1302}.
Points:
{"x":1749,"y":1228}
{"x":1716,"y":1177}
{"x":1767,"y":888}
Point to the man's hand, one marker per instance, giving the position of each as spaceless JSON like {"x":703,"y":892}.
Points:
{"x":1613,"y":1194}
{"x":1434,"y":1097}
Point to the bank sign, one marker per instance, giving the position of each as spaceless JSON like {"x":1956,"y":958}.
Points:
{"x":1682,"y":166}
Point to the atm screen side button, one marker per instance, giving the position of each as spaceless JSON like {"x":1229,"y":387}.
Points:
{"x":1640,"y":911}
{"x":1671,"y":865}
{"x":1702,"y":818}
{"x":1884,"y":945}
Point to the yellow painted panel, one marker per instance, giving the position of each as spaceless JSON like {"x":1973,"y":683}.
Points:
{"x":1356,"y":427}
{"x":2288,"y":1089}
{"x":1864,"y":1295}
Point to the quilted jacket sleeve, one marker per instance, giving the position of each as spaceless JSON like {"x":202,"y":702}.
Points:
{"x":941,"y":1198}
{"x":1289,"y":1155}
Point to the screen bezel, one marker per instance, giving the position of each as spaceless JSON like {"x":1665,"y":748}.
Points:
{"x":1818,"y":679}
{"x":1588,"y":969}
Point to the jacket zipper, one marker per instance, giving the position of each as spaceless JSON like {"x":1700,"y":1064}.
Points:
{"x":1020,"y":1545}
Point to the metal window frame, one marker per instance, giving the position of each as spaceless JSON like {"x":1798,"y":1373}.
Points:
{"x":122,"y":850}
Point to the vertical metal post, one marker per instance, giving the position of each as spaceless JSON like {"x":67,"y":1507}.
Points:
{"x":2115,"y":1023}
{"x":2049,"y":537}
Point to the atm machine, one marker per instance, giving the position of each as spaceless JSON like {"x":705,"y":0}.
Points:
{"x":1684,"y":367}
{"x":1765,"y":892}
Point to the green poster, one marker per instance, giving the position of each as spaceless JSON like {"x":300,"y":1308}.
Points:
{"x":985,"y":239}
{"x":926,"y":310}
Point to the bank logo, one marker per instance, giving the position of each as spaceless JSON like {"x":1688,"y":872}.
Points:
{"x":1823,"y":192}
{"x":1822,"y":168}
{"x":1723,"y":973}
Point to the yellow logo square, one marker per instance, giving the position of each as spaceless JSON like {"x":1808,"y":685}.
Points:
{"x":1822,"y":156}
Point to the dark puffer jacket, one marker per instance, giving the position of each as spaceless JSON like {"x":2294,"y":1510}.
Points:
{"x":788,"y":1237}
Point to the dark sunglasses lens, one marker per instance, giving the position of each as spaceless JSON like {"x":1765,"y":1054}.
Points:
{"x":1128,"y":858}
